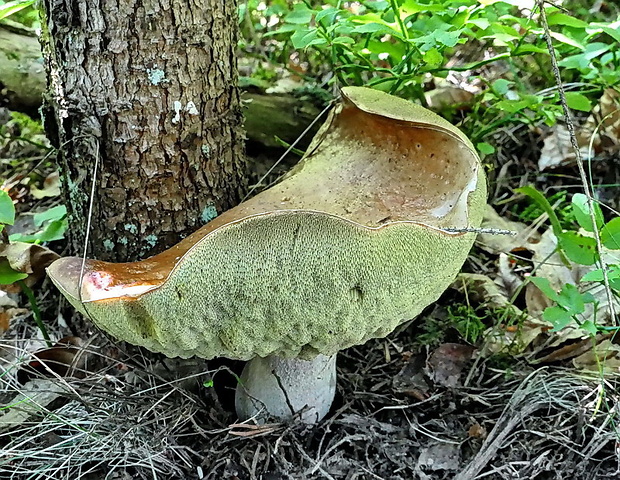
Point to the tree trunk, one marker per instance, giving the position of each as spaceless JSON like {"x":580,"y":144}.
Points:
{"x":149,"y":88}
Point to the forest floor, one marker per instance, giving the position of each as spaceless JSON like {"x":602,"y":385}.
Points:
{"x":473,"y":388}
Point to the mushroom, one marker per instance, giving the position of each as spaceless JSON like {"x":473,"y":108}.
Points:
{"x":368,"y":229}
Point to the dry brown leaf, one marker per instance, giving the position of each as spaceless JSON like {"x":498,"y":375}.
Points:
{"x":496,"y":244}
{"x":535,"y":300}
{"x":28,"y":258}
{"x":557,"y":149}
{"x":448,"y":96}
{"x":605,"y":116}
{"x":67,"y":358}
{"x":411,"y":379}
{"x":446,"y":363}
{"x":7,"y":315}
{"x":51,"y":187}
{"x":606,"y":355}
{"x":477,"y":431}
{"x":4,"y":322}
{"x":572,"y":350}
{"x":501,"y":338}
{"x":31,"y":401}
{"x":550,"y":265}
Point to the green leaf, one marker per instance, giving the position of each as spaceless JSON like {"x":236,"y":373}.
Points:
{"x":7,"y":209}
{"x":433,"y":58}
{"x":343,"y":41}
{"x":545,"y":287}
{"x":610,"y":234}
{"x":501,"y":86}
{"x":374,"y":28}
{"x":8,"y":275}
{"x":593,"y":276}
{"x":557,"y":18}
{"x":560,"y":37}
{"x":485,"y":148}
{"x":410,"y":7}
{"x":545,"y":205}
{"x":13,"y":7}
{"x":449,"y":39}
{"x":326,"y":13}
{"x":578,"y":101}
{"x":589,"y":327}
{"x":570,"y":298}
{"x":54,"y":213}
{"x":582,"y":212}
{"x":613,"y":275}
{"x":301,"y":15}
{"x":558,"y":317}
{"x":305,"y":37}
{"x":578,"y":248}
{"x":54,"y":230}
{"x":286,"y":28}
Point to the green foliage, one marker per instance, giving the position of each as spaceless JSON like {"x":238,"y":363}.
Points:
{"x":53,"y":226}
{"x":562,"y":213}
{"x":570,"y":301}
{"x":20,"y":11}
{"x":401,"y":46}
{"x":11,"y":8}
{"x":468,"y":321}
{"x":8,"y":275}
{"x":7,"y":210}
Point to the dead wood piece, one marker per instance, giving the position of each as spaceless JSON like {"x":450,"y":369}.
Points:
{"x":22,"y":75}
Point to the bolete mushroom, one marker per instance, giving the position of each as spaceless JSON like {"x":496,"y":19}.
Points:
{"x":367,"y":230}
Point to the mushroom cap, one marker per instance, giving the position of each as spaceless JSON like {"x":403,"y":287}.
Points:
{"x":351,"y":243}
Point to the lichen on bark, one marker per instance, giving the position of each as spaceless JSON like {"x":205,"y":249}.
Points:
{"x":144,"y":87}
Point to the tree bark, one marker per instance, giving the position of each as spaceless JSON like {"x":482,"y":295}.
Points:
{"x":149,"y":88}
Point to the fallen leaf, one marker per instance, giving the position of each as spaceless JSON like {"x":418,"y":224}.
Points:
{"x":557,"y":149}
{"x":448,"y":96}
{"x":572,"y":350}
{"x":32,"y":400}
{"x":605,"y":357}
{"x":7,"y":315}
{"x":66,"y":358}
{"x":411,"y":379}
{"x":446,"y":363}
{"x":551,"y":266}
{"x":51,"y":187}
{"x":502,"y":338}
{"x":477,"y":431}
{"x":28,"y":258}
{"x":439,"y":456}
{"x":602,"y":127}
{"x":497,"y":244}
{"x":601,"y":130}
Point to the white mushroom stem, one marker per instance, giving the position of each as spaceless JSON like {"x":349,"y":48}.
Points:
{"x":280,"y":388}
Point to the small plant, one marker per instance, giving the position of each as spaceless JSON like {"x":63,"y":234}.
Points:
{"x":401,"y":46}
{"x":54,"y":230}
{"x":561,"y":205}
{"x":571,"y":301}
{"x":467,"y":321}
